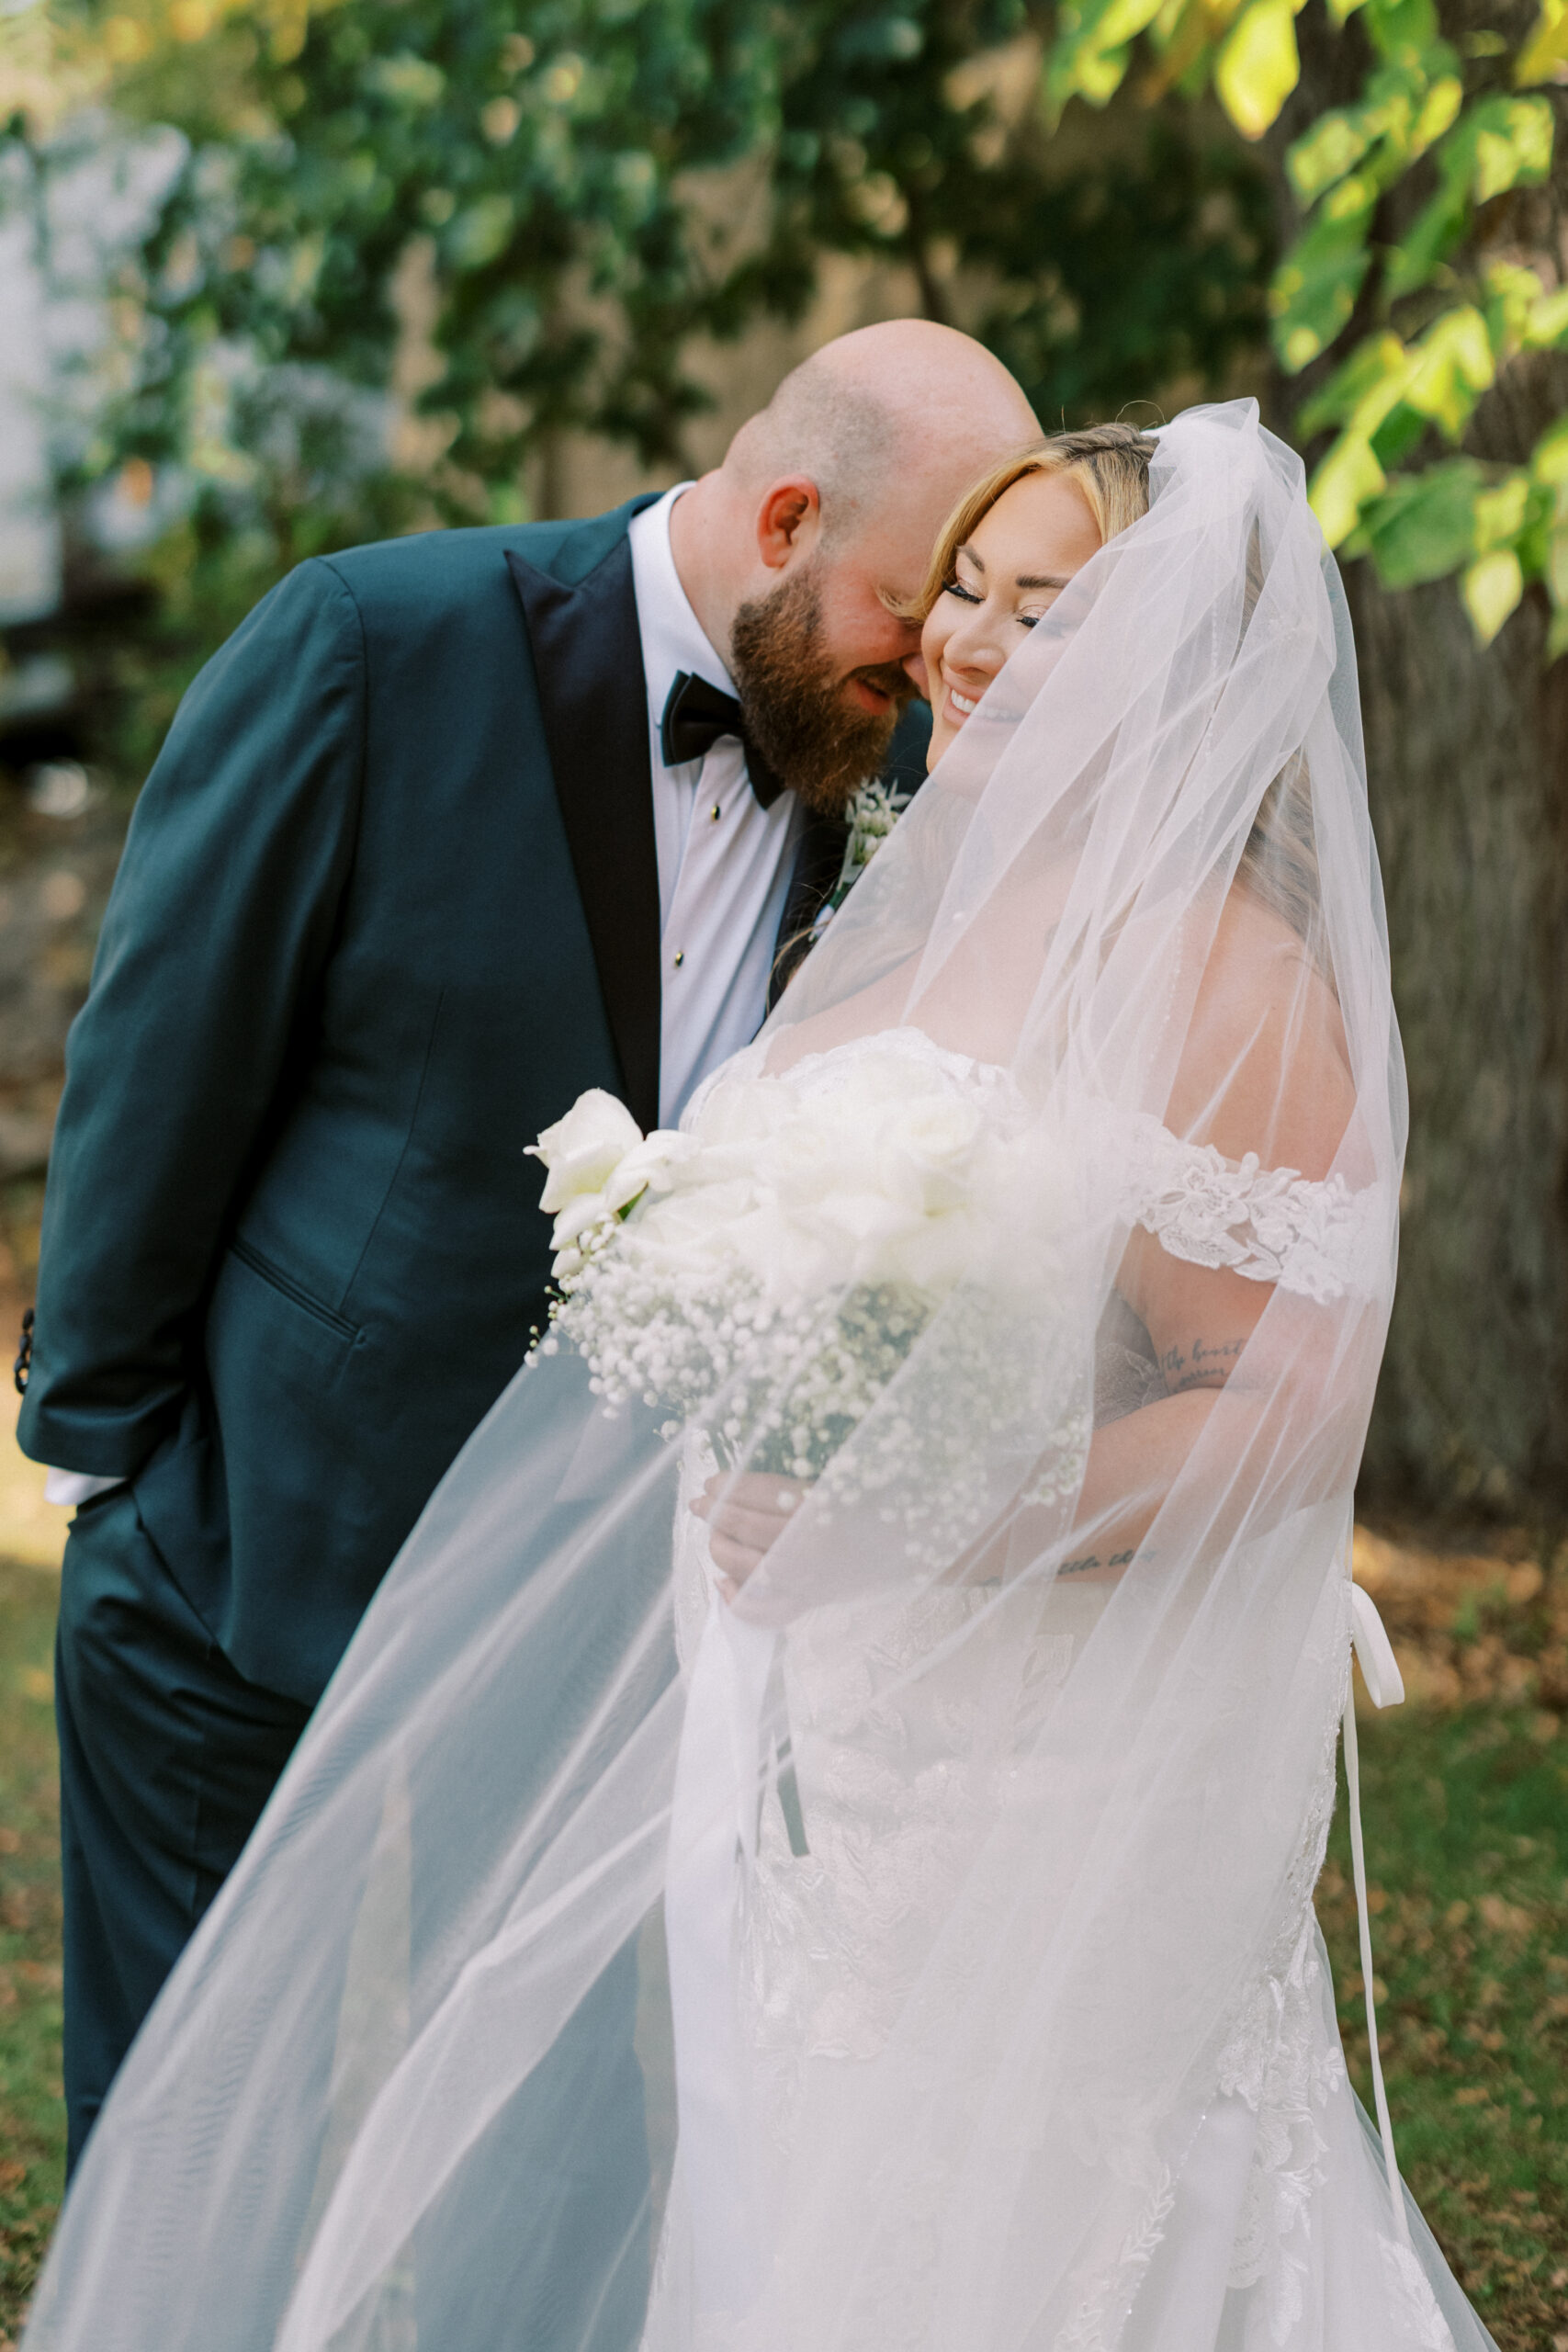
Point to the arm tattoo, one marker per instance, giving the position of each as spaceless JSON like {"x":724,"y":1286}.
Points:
{"x":1205,"y":1363}
{"x":1093,"y":1560}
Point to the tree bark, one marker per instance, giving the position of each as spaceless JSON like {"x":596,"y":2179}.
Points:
{"x":1467,"y":765}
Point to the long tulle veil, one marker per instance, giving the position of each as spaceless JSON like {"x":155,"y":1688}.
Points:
{"x":412,"y":2085}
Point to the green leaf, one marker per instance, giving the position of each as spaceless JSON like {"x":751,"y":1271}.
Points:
{"x":1513,"y":146}
{"x":1491,"y":588}
{"x":1259,"y":65}
{"x":1439,"y":110}
{"x":1348,"y":477}
{"x":1547,"y":327}
{"x":1090,"y":55}
{"x":406,"y":80}
{"x":1362,"y":391}
{"x":1512,"y":295}
{"x":1498,"y":143}
{"x":480,"y":234}
{"x":1401,"y":29}
{"x":1453,"y":366}
{"x":1402,"y":430}
{"x":1435,"y":231}
{"x":1547,"y":47}
{"x":1556,"y":567}
{"x":1335,"y":145}
{"x":1501,"y":513}
{"x":1316,"y":286}
{"x":1548,"y":461}
{"x":1423,"y":526}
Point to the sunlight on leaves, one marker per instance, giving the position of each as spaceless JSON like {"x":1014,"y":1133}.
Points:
{"x":1423,"y":525}
{"x":1260,"y":65}
{"x":1453,"y":366}
{"x":1491,"y":590}
{"x":1347,"y":480}
{"x":1547,"y":48}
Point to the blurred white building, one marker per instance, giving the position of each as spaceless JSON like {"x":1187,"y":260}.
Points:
{"x":30,"y":532}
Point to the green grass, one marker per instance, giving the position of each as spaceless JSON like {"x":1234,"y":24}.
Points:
{"x":1466,"y":1819}
{"x":32,"y":2118}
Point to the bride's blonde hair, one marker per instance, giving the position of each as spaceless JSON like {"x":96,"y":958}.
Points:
{"x":1110,"y":463}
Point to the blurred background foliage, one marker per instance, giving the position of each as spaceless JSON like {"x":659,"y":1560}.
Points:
{"x":575,"y":193}
{"x":321,"y":270}
{"x":562,"y":200}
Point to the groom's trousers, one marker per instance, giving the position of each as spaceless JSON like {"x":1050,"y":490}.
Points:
{"x":167,"y":1757}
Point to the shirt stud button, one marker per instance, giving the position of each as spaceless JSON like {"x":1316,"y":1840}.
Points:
{"x":713,"y":812}
{"x":680,"y":958}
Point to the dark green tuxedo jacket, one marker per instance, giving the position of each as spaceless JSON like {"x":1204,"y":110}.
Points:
{"x":388,"y":904}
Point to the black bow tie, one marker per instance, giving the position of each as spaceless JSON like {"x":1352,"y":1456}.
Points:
{"x":696,"y":715}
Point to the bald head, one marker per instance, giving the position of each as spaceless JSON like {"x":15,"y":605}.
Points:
{"x":879,"y":409}
{"x":803,"y":554}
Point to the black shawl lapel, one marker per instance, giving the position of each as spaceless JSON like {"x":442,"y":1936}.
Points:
{"x":594,"y":697}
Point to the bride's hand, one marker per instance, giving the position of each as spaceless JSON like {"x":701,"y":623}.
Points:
{"x":746,"y":1512}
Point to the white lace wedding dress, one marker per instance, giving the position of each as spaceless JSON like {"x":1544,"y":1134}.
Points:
{"x":913,"y":1730}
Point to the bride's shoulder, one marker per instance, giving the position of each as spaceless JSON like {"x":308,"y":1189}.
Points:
{"x":1265,"y":1067}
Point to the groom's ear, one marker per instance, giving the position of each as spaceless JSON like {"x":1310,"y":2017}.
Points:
{"x":789,"y":519}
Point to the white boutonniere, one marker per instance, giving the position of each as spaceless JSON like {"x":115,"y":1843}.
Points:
{"x":871,"y":817}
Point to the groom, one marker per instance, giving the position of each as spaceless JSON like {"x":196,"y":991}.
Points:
{"x":451,"y":828}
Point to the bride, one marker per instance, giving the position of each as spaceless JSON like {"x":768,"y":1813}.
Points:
{"x":838,"y":1772}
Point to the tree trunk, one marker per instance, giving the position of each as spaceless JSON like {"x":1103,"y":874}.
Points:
{"x":1467,"y":764}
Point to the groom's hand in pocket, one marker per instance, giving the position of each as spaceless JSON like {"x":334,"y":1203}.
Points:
{"x":747,"y":1511}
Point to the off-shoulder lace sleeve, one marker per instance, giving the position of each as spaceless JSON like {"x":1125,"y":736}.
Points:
{"x":1322,"y":1239}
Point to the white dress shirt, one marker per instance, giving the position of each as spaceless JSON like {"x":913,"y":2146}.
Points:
{"x":725,"y":864}
{"x":725,"y":861}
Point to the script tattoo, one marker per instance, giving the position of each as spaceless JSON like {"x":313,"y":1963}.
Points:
{"x":1203,"y":1363}
{"x":1093,"y":1560}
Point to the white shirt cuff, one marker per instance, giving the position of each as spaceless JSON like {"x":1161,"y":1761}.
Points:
{"x":73,"y":1486}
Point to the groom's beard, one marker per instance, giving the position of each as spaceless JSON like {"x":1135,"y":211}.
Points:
{"x":794,"y":700}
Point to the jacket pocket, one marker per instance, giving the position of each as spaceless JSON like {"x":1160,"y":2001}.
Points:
{"x":287,"y":1287}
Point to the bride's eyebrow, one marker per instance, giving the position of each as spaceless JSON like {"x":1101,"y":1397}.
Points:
{"x":1025,"y":578}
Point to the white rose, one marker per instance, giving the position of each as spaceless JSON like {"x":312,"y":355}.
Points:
{"x":649,"y":1166}
{"x":689,"y":1233}
{"x":927,"y":1152}
{"x":583,"y":1151}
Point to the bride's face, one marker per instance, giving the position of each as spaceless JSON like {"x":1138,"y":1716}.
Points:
{"x":1011,"y":569}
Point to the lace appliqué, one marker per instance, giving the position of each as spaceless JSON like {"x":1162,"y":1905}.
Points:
{"x":1285,"y":2067}
{"x":1109,"y":2289}
{"x":1410,"y":2290}
{"x":1280,"y":2060}
{"x":1322,"y":1240}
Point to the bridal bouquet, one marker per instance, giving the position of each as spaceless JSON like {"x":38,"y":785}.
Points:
{"x":766,"y":1273}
